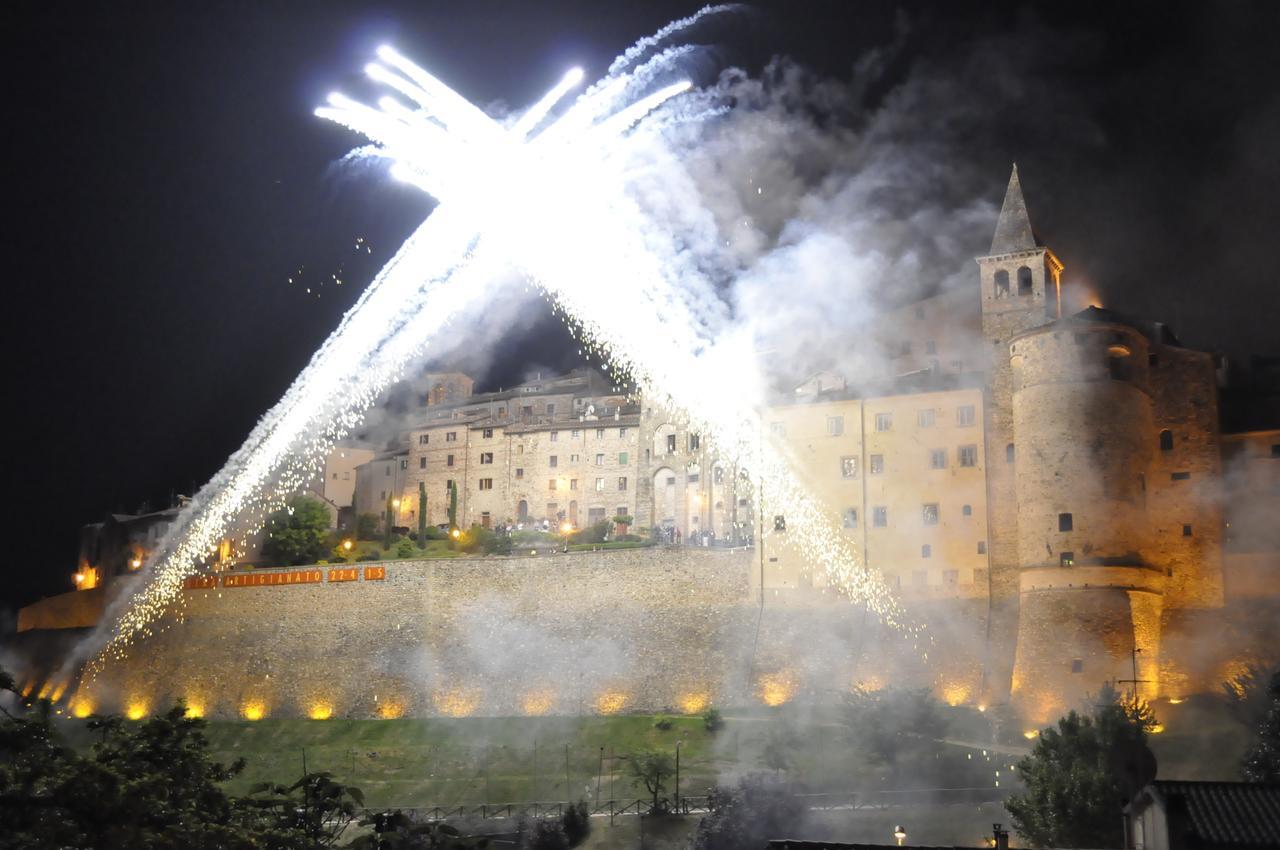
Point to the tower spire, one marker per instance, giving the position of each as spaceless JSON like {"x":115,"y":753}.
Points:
{"x":1013,"y":229}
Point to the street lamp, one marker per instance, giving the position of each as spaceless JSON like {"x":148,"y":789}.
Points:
{"x":900,"y":834}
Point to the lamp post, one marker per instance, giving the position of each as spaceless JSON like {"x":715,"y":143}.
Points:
{"x":900,"y":834}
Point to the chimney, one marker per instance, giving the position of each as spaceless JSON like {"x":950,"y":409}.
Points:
{"x":1001,"y":835}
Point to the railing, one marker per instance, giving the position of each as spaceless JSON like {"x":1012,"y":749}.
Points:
{"x":699,"y":803}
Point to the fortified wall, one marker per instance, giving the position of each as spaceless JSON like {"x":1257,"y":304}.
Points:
{"x":652,"y":629}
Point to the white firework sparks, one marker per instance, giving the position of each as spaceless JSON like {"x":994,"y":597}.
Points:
{"x":547,"y":196}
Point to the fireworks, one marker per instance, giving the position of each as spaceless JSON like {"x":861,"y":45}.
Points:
{"x":547,"y":196}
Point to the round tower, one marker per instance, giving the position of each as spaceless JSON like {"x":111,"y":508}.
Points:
{"x":1089,"y":607}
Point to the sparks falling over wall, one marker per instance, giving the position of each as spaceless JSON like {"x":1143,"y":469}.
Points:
{"x":548,"y":198}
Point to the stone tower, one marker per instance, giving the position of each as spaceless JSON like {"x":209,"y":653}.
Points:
{"x":1019,"y":281}
{"x":1084,"y":428}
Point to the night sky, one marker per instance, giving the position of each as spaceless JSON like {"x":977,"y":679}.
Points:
{"x":166,"y":177}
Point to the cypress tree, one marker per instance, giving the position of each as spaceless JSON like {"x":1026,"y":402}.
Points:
{"x":422,"y":515}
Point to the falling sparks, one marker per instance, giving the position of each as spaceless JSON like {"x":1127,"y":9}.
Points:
{"x":547,"y":196}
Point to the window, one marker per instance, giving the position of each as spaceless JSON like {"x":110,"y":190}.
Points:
{"x":848,"y":467}
{"x":968,"y":455}
{"x":1166,"y":440}
{"x":383,"y":497}
{"x":884,"y":421}
{"x":671,"y":481}
{"x":1002,"y":284}
{"x":520,"y":449}
{"x":574,"y":458}
{"x":777,"y":429}
{"x":422,"y":462}
{"x":1186,"y":531}
{"x":779,"y":523}
{"x":404,"y":463}
{"x":555,"y":436}
{"x":622,"y":432}
{"x":880,"y":517}
{"x":982,"y":547}
{"x":599,"y":485}
{"x":574,"y":434}
{"x":526,"y":410}
{"x":485,"y":520}
{"x":554,"y":461}
{"x":623,"y":458}
{"x":926,"y":418}
{"x":1009,"y":453}
{"x":930,"y":347}
{"x":621,"y":511}
{"x":967,"y":510}
{"x":486,"y":457}
{"x":551,"y":485}
{"x":1067,"y":559}
{"x":424,"y":439}
{"x":599,"y":433}
{"x":926,"y":551}
{"x":600,"y":460}
{"x":448,"y":460}
{"x":1181,"y":476}
{"x":486,"y":483}
{"x":835,"y":426}
{"x":929,"y":514}
{"x":1077,"y":665}
{"x":622,"y":482}
{"x":1065,"y":522}
{"x":937,"y":458}
{"x":487,"y":433}
{"x":448,"y":486}
{"x":520,"y":472}
{"x":573,"y":484}
{"x":551,"y":409}
{"x":877,"y":464}
{"x":451,"y":437}
{"x":671,"y":444}
{"x":965,"y":414}
{"x":850,"y":518}
{"x":1024,"y":281}
{"x":695,"y":442}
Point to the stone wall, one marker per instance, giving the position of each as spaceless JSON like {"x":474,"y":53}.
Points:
{"x":646,"y":629}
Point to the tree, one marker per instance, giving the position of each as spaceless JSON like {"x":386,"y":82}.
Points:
{"x":1262,"y":763}
{"x":367,"y":527}
{"x":453,"y":506}
{"x":422,"y":514}
{"x":895,"y":727}
{"x":576,"y":822}
{"x":1247,"y":695}
{"x":652,"y":769}
{"x":388,"y":523}
{"x":760,"y":808}
{"x":297,"y":534}
{"x":1080,"y":775}
{"x":315,"y":808}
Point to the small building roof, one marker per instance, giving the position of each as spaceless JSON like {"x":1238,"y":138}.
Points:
{"x":1219,"y":814}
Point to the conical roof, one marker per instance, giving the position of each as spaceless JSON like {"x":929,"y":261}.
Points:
{"x":1013,"y":229}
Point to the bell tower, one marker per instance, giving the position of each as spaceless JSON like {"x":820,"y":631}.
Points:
{"x":1019,"y":284}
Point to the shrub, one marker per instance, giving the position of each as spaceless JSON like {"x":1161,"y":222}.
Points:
{"x":662,"y":722}
{"x":576,"y":822}
{"x":406,"y":549}
{"x":544,"y":835}
{"x":298,"y":534}
{"x":370,"y":556}
{"x":712,"y":720}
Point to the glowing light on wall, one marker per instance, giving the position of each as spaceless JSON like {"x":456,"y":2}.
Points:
{"x":537,"y":703}
{"x":1031,"y":734}
{"x":611,"y":702}
{"x":954,"y":695}
{"x":253,"y":710}
{"x":695,"y":702}
{"x":776,"y":688}
{"x":136,"y":710}
{"x":458,"y":702}
{"x":320,"y":711}
{"x":81,"y":708}
{"x":194,"y":710}
{"x":390,"y":710}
